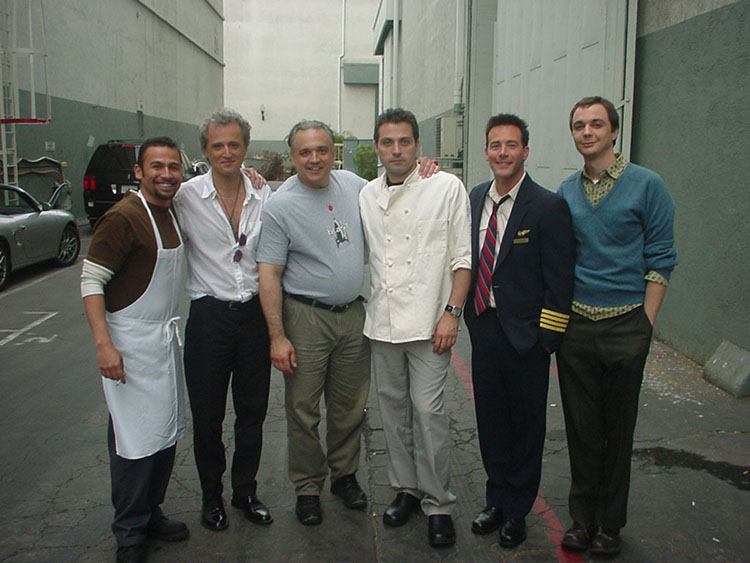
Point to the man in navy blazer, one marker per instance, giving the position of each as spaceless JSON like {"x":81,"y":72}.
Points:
{"x":518,"y":307}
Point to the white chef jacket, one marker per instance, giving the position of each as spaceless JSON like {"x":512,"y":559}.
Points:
{"x":210,"y":242}
{"x":418,"y":234}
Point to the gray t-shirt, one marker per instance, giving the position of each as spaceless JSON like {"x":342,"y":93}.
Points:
{"x":316,"y":233}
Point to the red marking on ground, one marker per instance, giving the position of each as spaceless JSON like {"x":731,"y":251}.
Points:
{"x":553,"y":527}
{"x":463,"y":372}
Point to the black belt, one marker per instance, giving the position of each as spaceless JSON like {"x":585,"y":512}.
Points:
{"x":231,"y":305}
{"x":321,"y":305}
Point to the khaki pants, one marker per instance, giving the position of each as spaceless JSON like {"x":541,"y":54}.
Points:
{"x":411,"y":381}
{"x":333,"y":359}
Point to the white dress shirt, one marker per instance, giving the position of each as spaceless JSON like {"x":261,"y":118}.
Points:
{"x":210,"y":242}
{"x":503,"y":214}
{"x":418,"y":234}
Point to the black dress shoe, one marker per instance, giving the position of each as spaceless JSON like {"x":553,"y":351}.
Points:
{"x":606,"y":542}
{"x":578,"y":537}
{"x":131,"y":554}
{"x":165,"y":529}
{"x":254,"y":509}
{"x":513,"y":531}
{"x":440,"y":530}
{"x":349,"y":490}
{"x":308,"y":510}
{"x":397,"y":514}
{"x":214,"y":517}
{"x":487,"y":521}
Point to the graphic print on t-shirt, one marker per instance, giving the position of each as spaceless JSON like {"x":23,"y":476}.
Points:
{"x":339,"y":231}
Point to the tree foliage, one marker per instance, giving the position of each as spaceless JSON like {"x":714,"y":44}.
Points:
{"x":366,"y":161}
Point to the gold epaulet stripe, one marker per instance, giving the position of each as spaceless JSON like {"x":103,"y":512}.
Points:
{"x":555,"y":314}
{"x":554,"y":322}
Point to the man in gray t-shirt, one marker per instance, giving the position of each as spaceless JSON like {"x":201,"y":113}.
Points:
{"x":311,"y":264}
{"x":317,"y":235}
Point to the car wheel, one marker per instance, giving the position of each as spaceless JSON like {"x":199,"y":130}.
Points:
{"x":70,"y":246}
{"x":4,"y":265}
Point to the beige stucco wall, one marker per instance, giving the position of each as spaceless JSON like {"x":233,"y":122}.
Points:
{"x":284,"y":56}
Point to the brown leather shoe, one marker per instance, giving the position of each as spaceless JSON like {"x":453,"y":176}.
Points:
{"x":578,"y":537}
{"x":606,"y":542}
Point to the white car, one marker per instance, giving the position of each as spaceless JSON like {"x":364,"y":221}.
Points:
{"x":32,"y":232}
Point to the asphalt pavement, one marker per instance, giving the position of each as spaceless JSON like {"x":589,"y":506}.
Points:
{"x":690,"y":493}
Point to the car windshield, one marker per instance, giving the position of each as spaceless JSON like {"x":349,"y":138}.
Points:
{"x":11,"y":203}
{"x":114,"y":157}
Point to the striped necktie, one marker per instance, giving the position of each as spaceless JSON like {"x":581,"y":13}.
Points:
{"x":487,"y":261}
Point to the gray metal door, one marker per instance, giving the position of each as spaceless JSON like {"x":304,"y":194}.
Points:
{"x":551,"y":53}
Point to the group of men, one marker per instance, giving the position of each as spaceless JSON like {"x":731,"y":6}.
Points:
{"x":278,"y":280}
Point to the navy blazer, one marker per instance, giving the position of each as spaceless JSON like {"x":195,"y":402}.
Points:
{"x":533,"y":277}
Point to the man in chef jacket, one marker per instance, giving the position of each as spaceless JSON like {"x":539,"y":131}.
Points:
{"x":131,"y":283}
{"x":419,"y":244}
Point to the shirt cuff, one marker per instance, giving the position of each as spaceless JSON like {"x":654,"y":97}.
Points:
{"x":461,"y":264}
{"x":656,"y":277}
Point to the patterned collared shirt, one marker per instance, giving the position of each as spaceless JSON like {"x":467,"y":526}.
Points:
{"x":596,"y":192}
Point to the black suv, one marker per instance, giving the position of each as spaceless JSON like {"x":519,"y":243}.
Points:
{"x":110,"y":175}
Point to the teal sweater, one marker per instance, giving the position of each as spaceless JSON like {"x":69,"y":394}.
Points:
{"x":629,"y":233}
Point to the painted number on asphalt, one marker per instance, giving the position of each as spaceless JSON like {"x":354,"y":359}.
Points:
{"x":15,"y":333}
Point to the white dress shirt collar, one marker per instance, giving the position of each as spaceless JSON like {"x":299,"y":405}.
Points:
{"x":209,"y":189}
{"x":512,"y":194}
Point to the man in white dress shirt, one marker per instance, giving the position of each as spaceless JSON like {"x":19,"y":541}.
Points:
{"x":419,"y":243}
{"x":226,"y":337}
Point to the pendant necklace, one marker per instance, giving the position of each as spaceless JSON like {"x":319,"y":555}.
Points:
{"x":230,"y":212}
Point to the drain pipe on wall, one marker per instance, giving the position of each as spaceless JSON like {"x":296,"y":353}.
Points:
{"x":396,"y":48}
{"x":341,"y":64}
{"x":458,"y":79}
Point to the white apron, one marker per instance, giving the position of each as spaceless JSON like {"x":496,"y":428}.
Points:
{"x":148,"y":411}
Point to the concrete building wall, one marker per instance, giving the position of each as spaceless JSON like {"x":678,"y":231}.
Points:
{"x":125,"y":69}
{"x":479,"y":90}
{"x":426,"y":82}
{"x":285,"y":57}
{"x":690,"y":125}
{"x":419,"y":63}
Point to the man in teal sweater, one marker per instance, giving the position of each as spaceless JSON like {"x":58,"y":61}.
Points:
{"x":623,"y":222}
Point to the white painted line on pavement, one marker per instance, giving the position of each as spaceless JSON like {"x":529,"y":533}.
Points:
{"x":28,"y":327}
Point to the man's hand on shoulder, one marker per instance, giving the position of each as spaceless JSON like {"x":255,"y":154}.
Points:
{"x":110,"y":362}
{"x":446,"y":332}
{"x":427,"y":167}
{"x":256,"y":179}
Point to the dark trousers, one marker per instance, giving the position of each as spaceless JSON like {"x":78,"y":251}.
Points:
{"x":510,"y":397}
{"x":224,"y":343}
{"x":138,"y":489}
{"x":601,"y":365}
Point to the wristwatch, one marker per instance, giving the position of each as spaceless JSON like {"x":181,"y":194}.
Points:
{"x":453,"y":310}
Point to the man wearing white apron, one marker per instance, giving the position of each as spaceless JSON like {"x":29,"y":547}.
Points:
{"x":131,"y":284}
